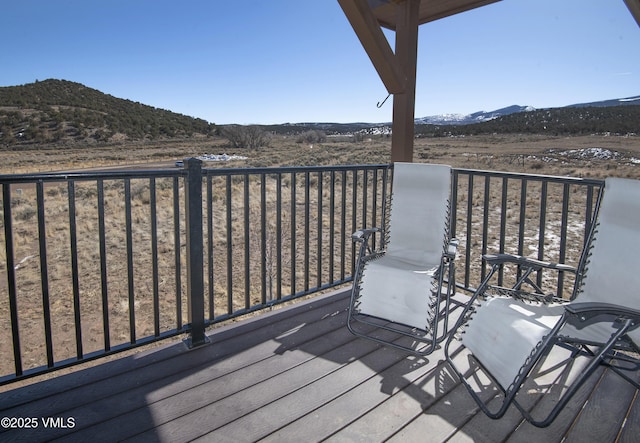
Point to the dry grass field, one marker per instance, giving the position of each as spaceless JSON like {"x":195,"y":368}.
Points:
{"x":514,"y":153}
{"x":594,"y":156}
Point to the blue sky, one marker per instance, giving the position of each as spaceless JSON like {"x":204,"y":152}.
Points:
{"x":279,"y":61}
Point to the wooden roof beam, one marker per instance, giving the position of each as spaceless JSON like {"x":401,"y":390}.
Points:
{"x":634,"y":8}
{"x":403,"y":126}
{"x":375,"y":44}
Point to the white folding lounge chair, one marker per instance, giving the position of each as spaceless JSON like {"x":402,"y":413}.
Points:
{"x":519,"y":339}
{"x":401,"y":287}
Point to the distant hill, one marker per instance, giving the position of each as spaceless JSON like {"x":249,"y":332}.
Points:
{"x":467,"y":119}
{"x":60,"y":111}
{"x":53,"y":112}
{"x":483,"y":116}
{"x":629,"y":101}
{"x":572,"y":120}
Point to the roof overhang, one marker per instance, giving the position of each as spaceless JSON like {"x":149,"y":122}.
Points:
{"x":428,"y":11}
{"x":397,"y":69}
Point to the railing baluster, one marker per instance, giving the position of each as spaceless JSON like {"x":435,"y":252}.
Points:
{"x":73,"y":240}
{"x":44,"y":273}
{"x":354,"y":216}
{"x":542,"y":227}
{"x":563,"y":236}
{"x":307,"y":216}
{"x":210,"y":263}
{"x":319,"y":233}
{"x":130,"y":280}
{"x":469,"y":226}
{"x":278,"y":237}
{"x":332,"y":225}
{"x":11,"y":277}
{"x":247,"y":243}
{"x":343,"y":227}
{"x":293,"y":233}
{"x":229,"y":249}
{"x":503,"y":224}
{"x":485,"y":225}
{"x":177,"y":243}
{"x":263,"y":238}
{"x":104,"y":289}
{"x":154,"y":256}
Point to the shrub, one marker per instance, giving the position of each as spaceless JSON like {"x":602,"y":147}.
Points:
{"x":249,"y":137}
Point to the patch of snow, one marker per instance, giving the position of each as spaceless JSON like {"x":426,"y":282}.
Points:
{"x":220,"y":157}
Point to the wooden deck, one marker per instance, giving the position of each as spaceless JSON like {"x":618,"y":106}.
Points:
{"x":295,"y":374}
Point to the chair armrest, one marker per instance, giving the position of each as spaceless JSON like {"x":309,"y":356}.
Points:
{"x":362,"y":235}
{"x":497,"y":259}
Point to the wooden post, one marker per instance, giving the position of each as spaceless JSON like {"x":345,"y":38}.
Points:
{"x":406,"y":54}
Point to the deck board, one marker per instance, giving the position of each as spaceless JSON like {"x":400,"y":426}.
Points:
{"x":297,"y":374}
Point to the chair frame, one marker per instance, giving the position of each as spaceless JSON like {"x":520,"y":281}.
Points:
{"x":575,"y":313}
{"x":424,"y":341}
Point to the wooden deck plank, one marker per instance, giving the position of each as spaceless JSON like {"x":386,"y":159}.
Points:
{"x":172,"y":398}
{"x":297,"y":374}
{"x":351,"y":405}
{"x":397,"y":411}
{"x":240,"y":371}
{"x":300,"y":402}
{"x":441,"y":420}
{"x":563,"y":423}
{"x":632,"y":426}
{"x":228,"y":340}
{"x":600,"y":409}
{"x":216,"y":414}
{"x":121,"y":393}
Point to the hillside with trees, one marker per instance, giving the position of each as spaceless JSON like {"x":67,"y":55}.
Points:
{"x":566,"y":121}
{"x":60,"y":112}
{"x":64,"y":112}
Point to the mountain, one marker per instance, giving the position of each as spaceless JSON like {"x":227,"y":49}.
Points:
{"x":467,"y":119}
{"x":60,"y":111}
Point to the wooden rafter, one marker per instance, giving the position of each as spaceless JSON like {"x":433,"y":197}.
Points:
{"x":375,"y":44}
{"x":634,"y":8}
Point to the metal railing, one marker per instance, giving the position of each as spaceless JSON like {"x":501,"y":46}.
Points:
{"x":545,"y":217}
{"x":98,"y":262}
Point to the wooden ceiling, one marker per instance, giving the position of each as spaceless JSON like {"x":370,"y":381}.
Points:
{"x":429,"y":10}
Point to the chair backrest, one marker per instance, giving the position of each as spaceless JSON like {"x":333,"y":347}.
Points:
{"x":419,"y":216}
{"x":612,"y":272}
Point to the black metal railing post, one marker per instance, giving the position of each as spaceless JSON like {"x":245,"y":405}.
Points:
{"x":195,"y":252}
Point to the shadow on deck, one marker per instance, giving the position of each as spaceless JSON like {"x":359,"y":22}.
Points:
{"x":295,"y":374}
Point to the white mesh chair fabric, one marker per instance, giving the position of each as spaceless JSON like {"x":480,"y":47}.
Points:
{"x":401,"y":284}
{"x":613,"y":274}
{"x":398,"y":285}
{"x":505,"y":334}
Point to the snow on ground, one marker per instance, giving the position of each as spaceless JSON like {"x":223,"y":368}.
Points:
{"x":595,"y":153}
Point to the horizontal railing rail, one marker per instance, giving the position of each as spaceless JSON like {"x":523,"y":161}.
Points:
{"x":101,"y":261}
